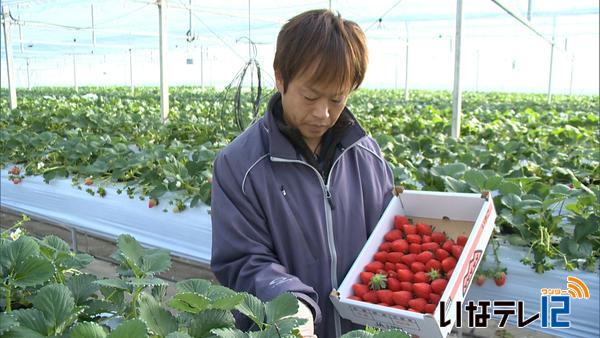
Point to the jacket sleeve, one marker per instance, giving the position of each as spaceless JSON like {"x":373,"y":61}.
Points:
{"x":242,"y":250}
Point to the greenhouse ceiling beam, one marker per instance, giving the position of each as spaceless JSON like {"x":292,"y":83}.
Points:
{"x":521,"y":19}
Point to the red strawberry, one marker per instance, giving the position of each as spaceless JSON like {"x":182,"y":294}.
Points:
{"x":408,"y":259}
{"x":434,"y":298}
{"x":385,"y":296}
{"x":415,"y":248}
{"x":417,"y":267}
{"x":395,"y":257}
{"x":480,"y":279}
{"x":394,"y":284}
{"x":399,"y":221}
{"x":441,"y":254}
{"x":417,"y":304}
{"x":438,"y":237}
{"x":88,"y":181}
{"x":461,"y":240}
{"x":448,"y":263}
{"x":448,"y":245}
{"x":400,"y":245}
{"x":438,"y":285}
{"x":402,"y":298}
{"x":371,"y":297}
{"x":413,"y":238}
{"x":500,"y":278}
{"x":433,"y":275}
{"x":420,"y":277}
{"x":409,"y":229}
{"x":360,"y":289}
{"x":456,"y":251}
{"x":422,"y":290}
{"x":374,"y":266}
{"x":385,"y":246}
{"x":400,"y":266}
{"x":391,"y":273}
{"x":16,"y":180}
{"x":152,"y":203}
{"x":429,"y":308}
{"x":399,"y":307}
{"x":14,"y":170}
{"x":404,"y":275}
{"x":393,"y":235}
{"x":423,"y":229}
{"x":449,"y":274}
{"x":389,"y":266}
{"x":433,"y":264}
{"x":378,"y":282}
{"x":426,"y":239}
{"x":354,"y":298}
{"x":365,"y":277}
{"x":424,"y":257}
{"x":430,"y":246}
{"x":380,"y":256}
{"x":407,"y":286}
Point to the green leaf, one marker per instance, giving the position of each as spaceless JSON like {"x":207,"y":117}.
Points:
{"x":156,"y":261}
{"x":358,"y":334}
{"x":7,"y":322}
{"x":392,"y":334}
{"x":455,"y":185}
{"x":228,"y":302}
{"x":158,"y":320}
{"x":56,"y":243}
{"x":22,"y":248}
{"x":32,"y":271}
{"x":510,"y":188}
{"x":530,"y":205}
{"x":178,"y":335}
{"x":229,"y":333}
{"x":252,"y":308}
{"x":511,"y":201}
{"x":88,"y":330}
{"x":585,"y":227}
{"x":82,"y":287}
{"x":189,"y":302}
{"x":285,"y":304}
{"x":130,"y":328}
{"x":211,"y":319}
{"x":131,"y":250}
{"x":196,"y":285}
{"x":286,"y":325}
{"x":32,"y":319}
{"x":114,"y":283}
{"x":57,"y":304}
{"x":476,"y":179}
{"x":23,"y":332}
{"x":137,"y":282}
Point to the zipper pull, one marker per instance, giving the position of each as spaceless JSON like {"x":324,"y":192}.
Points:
{"x":329,"y":198}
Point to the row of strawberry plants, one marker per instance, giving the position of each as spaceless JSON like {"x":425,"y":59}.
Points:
{"x":45,"y":294}
{"x":539,"y":160}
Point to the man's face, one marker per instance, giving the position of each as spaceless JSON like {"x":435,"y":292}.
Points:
{"x":312,"y":108}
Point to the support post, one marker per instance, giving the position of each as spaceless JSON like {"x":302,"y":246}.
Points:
{"x":12,"y":98}
{"x":550,"y":71}
{"x":28,"y":76}
{"x":406,"y":93}
{"x":75,"y":74}
{"x":164,"y":86}
{"x":131,"y":72}
{"x":457,"y":95}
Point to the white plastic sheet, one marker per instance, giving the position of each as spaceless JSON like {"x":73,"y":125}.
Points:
{"x":186,"y":234}
{"x":523,"y":283}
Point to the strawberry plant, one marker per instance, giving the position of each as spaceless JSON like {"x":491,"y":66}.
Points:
{"x":45,"y":294}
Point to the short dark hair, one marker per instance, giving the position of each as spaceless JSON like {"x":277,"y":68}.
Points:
{"x":319,"y":40}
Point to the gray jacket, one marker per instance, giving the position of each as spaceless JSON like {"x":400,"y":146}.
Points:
{"x":277,"y":227}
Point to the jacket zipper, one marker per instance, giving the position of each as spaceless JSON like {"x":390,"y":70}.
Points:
{"x":329,"y":206}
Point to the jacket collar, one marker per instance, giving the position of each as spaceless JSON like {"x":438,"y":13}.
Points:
{"x":281,"y":147}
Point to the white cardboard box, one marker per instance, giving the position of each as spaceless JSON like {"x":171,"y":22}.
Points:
{"x":455,"y":213}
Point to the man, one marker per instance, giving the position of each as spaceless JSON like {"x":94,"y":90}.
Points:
{"x":295,"y":197}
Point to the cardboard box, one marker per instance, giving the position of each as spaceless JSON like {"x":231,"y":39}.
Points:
{"x":472,"y":215}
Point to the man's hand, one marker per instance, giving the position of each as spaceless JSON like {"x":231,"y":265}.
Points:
{"x":307,"y":330}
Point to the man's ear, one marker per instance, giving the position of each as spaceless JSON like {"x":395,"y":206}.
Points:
{"x":279,"y":82}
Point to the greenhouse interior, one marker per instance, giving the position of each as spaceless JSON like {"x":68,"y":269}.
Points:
{"x":452,"y":188}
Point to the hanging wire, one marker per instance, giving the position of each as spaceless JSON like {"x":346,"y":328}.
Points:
{"x":380,"y":19}
{"x":188,"y":36}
